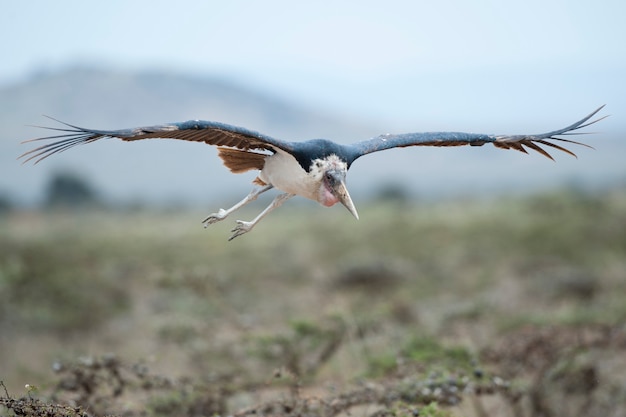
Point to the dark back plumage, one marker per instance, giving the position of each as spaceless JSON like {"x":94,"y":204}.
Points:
{"x":309,"y":150}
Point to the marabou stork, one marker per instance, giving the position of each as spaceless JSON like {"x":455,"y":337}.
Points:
{"x":315,"y":169}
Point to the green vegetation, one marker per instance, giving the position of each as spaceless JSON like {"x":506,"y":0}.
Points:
{"x":514,"y":306}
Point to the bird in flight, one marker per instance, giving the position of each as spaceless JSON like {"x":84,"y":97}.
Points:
{"x":315,"y":169}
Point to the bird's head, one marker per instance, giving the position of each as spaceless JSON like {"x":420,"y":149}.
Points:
{"x":331,"y":172}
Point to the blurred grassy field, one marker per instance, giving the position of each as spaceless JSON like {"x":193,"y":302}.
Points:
{"x":313,"y":296}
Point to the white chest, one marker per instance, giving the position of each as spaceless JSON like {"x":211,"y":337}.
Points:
{"x":285,"y":173}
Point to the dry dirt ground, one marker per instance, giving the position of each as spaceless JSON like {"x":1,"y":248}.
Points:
{"x":505,"y":307}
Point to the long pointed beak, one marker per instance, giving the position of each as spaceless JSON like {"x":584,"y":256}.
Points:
{"x":344,"y":198}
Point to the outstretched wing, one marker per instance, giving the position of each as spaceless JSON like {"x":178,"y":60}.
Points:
{"x":517,"y":142}
{"x":212,"y":133}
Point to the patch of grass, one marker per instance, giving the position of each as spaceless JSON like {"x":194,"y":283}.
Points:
{"x":46,"y":286}
{"x":422,"y":352}
{"x":381,"y":364}
{"x":178,"y":333}
{"x":303,"y":350}
{"x":427,"y":350}
{"x":432,"y":410}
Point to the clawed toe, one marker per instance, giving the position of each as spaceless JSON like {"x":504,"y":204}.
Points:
{"x":215,"y":217}
{"x":241,"y":228}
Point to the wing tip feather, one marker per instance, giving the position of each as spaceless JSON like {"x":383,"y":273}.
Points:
{"x":533,"y":141}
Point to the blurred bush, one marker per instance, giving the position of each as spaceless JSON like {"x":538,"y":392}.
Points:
{"x":67,"y":189}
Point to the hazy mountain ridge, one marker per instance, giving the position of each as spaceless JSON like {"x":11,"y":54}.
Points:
{"x":155,"y":97}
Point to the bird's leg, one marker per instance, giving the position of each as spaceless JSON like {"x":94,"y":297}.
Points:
{"x":222,"y":214}
{"x":244,"y":227}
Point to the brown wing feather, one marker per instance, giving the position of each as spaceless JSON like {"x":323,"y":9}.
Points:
{"x":215,"y":137}
{"x":241,"y":161}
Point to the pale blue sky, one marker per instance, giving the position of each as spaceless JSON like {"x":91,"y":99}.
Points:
{"x":364,"y":57}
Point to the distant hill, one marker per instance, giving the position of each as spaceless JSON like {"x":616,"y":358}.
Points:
{"x":173,"y":172}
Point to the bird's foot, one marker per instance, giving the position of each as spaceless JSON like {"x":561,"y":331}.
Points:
{"x":241,"y":228}
{"x":215,"y":217}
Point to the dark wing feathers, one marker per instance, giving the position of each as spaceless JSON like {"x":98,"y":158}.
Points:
{"x":212,"y":133}
{"x":220,"y":134}
{"x":516,"y":142}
